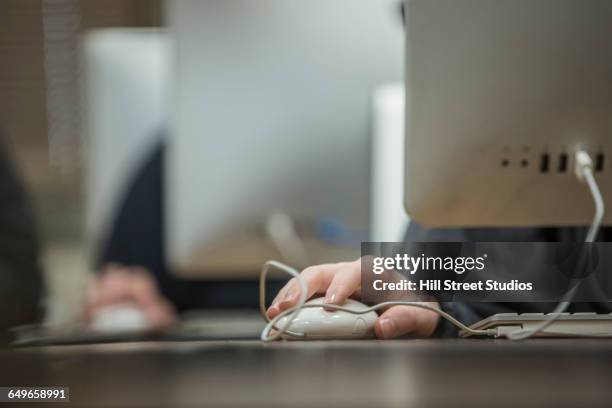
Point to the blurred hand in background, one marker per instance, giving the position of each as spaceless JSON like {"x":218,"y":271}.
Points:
{"x":120,"y":285}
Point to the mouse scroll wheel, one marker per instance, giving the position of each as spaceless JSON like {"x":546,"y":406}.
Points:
{"x":360,"y":326}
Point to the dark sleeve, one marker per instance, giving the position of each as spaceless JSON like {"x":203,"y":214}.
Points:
{"x":469,"y":313}
{"x":20,"y":272}
{"x":137,"y":236}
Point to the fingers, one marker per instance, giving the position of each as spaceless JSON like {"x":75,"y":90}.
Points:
{"x":339,"y":281}
{"x":346,"y":282}
{"x":160,"y":314}
{"x":317,"y":278}
{"x":119,"y":284}
{"x":400,"y":320}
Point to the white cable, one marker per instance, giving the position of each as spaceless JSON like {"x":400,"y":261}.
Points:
{"x":584,"y":172}
{"x":599,"y":206}
{"x":293,"y":312}
{"x":265,"y":336}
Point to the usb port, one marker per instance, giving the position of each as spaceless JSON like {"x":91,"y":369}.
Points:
{"x":544,"y":163}
{"x":599,"y":162}
{"x":563,"y":163}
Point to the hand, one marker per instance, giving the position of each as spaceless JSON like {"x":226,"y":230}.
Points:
{"x":121,"y":284}
{"x":343,"y":280}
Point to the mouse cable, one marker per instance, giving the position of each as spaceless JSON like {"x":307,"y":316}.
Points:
{"x":267,"y":335}
{"x":583,"y":170}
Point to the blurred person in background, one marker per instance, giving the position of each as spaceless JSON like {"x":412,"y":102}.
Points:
{"x":132,"y":267}
{"x":131,"y":263}
{"x":21,"y":283}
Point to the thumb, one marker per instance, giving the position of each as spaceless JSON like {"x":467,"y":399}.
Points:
{"x":400,"y":320}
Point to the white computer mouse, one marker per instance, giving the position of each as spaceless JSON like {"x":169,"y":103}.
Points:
{"x":316,"y":323}
{"x":119,"y":318}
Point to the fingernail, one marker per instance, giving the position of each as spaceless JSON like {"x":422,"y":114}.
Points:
{"x":387,"y":327}
{"x":272,"y":309}
{"x":330,"y":298}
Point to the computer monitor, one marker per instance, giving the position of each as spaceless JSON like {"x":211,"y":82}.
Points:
{"x":271,"y":114}
{"x":124,"y":85}
{"x":500,"y":94}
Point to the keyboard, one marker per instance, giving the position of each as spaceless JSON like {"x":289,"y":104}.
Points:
{"x":567,"y":325}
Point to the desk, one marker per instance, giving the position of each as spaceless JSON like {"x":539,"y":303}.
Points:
{"x":419,"y":373}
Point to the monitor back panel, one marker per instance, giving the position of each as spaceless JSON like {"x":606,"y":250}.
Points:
{"x":500,"y":94}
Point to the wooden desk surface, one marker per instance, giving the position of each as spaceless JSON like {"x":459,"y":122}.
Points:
{"x":419,"y":373}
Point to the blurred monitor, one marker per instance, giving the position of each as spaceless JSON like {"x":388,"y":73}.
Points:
{"x":500,"y":94}
{"x":270,"y":129}
{"x":125,"y":74}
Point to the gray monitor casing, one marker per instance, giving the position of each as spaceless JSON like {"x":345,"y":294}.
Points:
{"x":270,"y":113}
{"x":495,"y":87}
